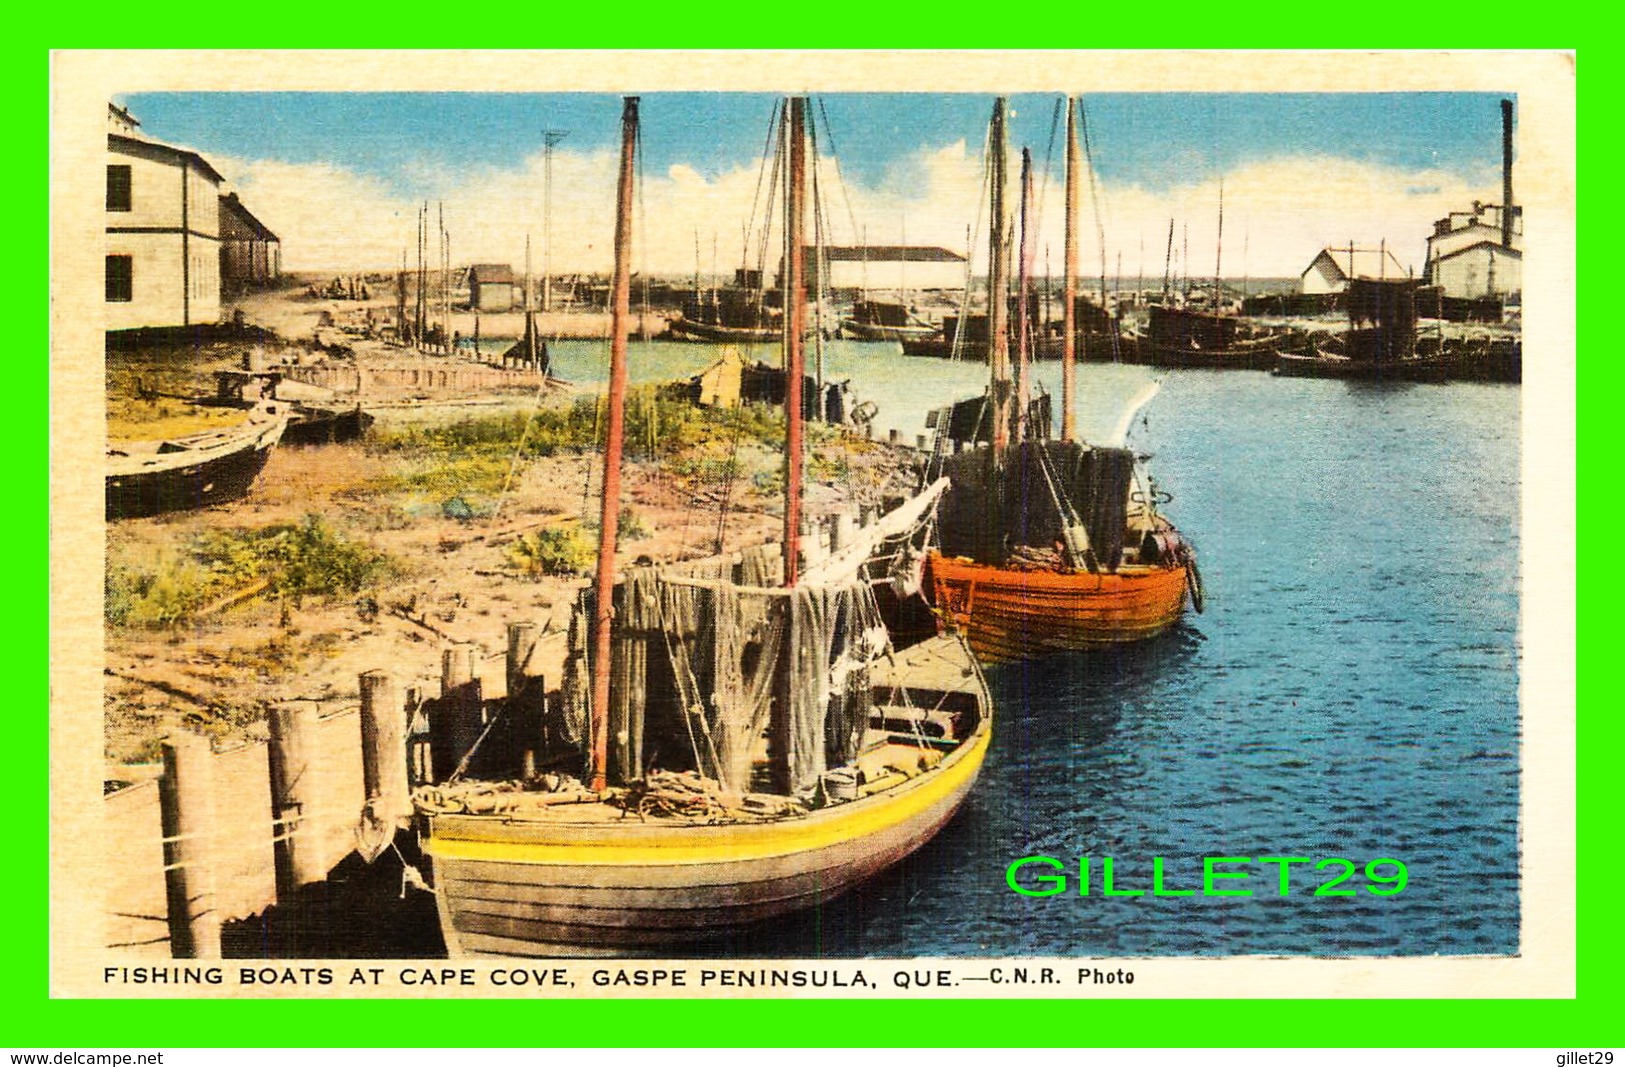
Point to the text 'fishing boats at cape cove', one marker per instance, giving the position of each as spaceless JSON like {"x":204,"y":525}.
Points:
{"x":1046,"y":546}
{"x":753,"y":743}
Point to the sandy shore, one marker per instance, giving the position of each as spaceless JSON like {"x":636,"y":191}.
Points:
{"x":457,"y":578}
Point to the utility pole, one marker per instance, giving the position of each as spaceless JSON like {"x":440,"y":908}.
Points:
{"x":549,"y":139}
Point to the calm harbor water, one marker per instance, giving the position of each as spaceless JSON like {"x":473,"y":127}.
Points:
{"x":1351,"y":690}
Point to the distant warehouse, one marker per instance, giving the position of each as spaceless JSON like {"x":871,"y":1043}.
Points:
{"x":1477,"y":253}
{"x":852,"y":269}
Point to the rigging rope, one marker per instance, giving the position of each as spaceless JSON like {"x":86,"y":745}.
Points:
{"x":1100,"y":223}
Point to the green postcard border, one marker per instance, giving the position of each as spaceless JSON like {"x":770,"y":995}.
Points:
{"x":38,"y":1021}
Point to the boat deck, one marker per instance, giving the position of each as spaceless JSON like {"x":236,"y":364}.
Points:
{"x":935,"y":667}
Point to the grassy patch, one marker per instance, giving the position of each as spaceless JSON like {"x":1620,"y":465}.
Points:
{"x":292,"y":561}
{"x":560,"y":551}
{"x":472,"y":457}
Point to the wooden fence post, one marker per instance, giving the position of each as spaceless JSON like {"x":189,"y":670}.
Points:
{"x":383,"y":747}
{"x":186,"y":799}
{"x":293,"y":802}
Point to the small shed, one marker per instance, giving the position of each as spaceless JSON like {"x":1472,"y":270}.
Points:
{"x":490,"y":287}
{"x":1332,"y":268}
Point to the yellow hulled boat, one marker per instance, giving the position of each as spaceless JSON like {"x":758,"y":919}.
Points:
{"x":751,"y":743}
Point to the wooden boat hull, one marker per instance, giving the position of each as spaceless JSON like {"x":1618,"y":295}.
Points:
{"x":323,"y":426}
{"x":688,"y":330}
{"x":1261,"y":357}
{"x":1009,"y":614}
{"x":864,"y":331}
{"x":191,"y":478}
{"x":514,"y":889}
{"x":591,"y":884}
{"x":1324,"y":366}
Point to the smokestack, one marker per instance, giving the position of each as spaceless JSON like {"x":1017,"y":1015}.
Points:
{"x":1506,"y":174}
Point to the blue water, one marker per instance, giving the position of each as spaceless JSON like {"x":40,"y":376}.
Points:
{"x":1351,"y":690}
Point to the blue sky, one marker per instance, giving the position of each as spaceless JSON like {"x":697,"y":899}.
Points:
{"x":338,"y":174}
{"x":1152,"y":139}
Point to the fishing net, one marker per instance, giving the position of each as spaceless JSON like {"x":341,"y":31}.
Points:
{"x":713,"y":665}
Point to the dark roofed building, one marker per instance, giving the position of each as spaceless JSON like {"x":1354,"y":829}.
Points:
{"x":250,"y":254}
{"x":490,"y":287}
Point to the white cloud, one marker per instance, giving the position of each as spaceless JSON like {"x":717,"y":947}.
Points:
{"x":1281,"y":212}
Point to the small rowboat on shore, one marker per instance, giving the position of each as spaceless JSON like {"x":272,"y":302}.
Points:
{"x":186,"y":473}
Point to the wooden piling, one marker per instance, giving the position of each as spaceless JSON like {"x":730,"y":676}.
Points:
{"x":383,"y":747}
{"x":186,"y":798}
{"x":521,"y":644}
{"x":456,"y":723}
{"x":840,"y":526}
{"x":298,"y":852}
{"x":456,"y":667}
{"x":420,"y":756}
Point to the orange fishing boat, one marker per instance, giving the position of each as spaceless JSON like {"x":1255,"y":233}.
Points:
{"x":1046,"y":546}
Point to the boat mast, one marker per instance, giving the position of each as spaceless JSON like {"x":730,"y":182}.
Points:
{"x":1069,"y":313}
{"x":1024,"y":274}
{"x":998,"y":312}
{"x":530,"y":318}
{"x":1218,"y":248}
{"x":781,"y":740}
{"x":609,"y":515}
{"x":795,"y":321}
{"x":1168,"y":264}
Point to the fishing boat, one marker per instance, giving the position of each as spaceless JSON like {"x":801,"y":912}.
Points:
{"x":961,"y":337}
{"x":737,"y":314}
{"x":1380,"y":343}
{"x":752,"y":744}
{"x":186,"y":473}
{"x":1192,"y":336}
{"x":313,"y":417}
{"x":1047,"y":546}
{"x":1188,"y":337}
{"x":885,"y":320}
{"x":732,"y":380}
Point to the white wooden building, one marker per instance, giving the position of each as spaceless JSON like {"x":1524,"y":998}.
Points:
{"x":163,"y":231}
{"x":1331,"y":269}
{"x":1471,"y":254}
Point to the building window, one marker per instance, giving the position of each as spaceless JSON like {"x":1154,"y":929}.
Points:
{"x":118,"y":187}
{"x":120,"y":279}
